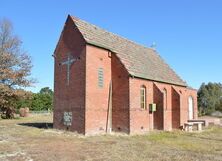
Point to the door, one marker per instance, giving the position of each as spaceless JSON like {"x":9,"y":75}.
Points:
{"x":190,"y":110}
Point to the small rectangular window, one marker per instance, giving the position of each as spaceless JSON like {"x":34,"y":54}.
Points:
{"x":143,"y":97}
{"x":100,"y":77}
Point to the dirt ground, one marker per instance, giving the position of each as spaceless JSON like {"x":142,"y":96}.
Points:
{"x":33,"y":139}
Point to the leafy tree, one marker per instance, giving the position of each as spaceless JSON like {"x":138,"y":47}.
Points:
{"x":37,"y":103}
{"x":42,"y":100}
{"x":15,"y":69}
{"x":210,"y":98}
{"x":46,"y":90}
{"x":25,"y":99}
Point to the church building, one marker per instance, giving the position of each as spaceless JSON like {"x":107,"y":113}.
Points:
{"x":106,"y":83}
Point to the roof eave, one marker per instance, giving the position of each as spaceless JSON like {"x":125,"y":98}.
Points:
{"x":97,"y":45}
{"x":159,"y":81}
{"x":131,"y":75}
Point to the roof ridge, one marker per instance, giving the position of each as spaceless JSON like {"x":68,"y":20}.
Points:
{"x":139,"y":60}
{"x":120,"y":36}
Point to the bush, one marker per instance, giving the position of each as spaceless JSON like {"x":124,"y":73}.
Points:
{"x":43,"y":100}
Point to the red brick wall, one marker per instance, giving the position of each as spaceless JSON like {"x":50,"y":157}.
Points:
{"x":140,"y":119}
{"x":193,"y":94}
{"x":175,"y":109}
{"x":172,"y":110}
{"x":120,"y":97}
{"x":167,"y":110}
{"x":158,"y":114}
{"x":97,"y":99}
{"x":70,"y":98}
{"x":184,"y":95}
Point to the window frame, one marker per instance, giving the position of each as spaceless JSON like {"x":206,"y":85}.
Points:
{"x":143,"y":99}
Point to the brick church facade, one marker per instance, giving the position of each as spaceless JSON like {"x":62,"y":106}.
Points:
{"x":105,"y":83}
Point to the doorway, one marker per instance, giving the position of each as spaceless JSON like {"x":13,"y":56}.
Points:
{"x":158,"y":116}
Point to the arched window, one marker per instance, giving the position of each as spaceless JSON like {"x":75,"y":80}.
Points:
{"x":164,"y":98}
{"x":143,"y":97}
{"x":190,"y":108}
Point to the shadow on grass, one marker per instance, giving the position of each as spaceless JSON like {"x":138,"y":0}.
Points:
{"x":40,"y":125}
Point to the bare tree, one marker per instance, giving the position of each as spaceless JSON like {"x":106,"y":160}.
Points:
{"x":15,"y":68}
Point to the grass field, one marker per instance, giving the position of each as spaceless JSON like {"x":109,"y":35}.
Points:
{"x":19,"y":140}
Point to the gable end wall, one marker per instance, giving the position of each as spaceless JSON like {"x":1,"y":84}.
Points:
{"x":70,"y":98}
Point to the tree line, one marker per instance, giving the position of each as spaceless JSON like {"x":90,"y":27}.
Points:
{"x":210,"y":98}
{"x":41,"y":101}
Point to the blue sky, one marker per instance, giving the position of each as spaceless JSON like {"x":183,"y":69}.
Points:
{"x":188,"y":33}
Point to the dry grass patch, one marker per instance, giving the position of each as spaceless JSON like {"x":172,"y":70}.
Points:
{"x":21,"y":141}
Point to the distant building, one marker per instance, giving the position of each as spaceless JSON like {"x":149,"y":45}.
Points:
{"x":104,"y":83}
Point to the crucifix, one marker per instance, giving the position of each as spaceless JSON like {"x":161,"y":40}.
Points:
{"x":68,"y":64}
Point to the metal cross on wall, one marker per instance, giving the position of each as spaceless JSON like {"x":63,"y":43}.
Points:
{"x":68,"y":64}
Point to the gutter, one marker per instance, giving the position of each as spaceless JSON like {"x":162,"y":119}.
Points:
{"x":133,"y":76}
